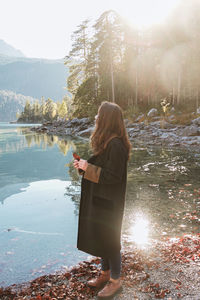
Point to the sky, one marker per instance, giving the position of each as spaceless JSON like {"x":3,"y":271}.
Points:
{"x":43,"y":28}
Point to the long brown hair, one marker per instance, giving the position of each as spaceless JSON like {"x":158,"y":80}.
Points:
{"x":109,"y":124}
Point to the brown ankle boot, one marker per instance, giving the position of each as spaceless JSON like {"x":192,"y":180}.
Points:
{"x":110,"y":289}
{"x":99,"y":281}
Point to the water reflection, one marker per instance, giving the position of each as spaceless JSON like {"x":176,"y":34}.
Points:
{"x":27,"y":156}
{"x":163,"y":196}
{"x":162,"y":185}
{"x":17,"y":139}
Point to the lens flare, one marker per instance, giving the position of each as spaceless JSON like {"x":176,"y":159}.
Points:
{"x":139,"y":231}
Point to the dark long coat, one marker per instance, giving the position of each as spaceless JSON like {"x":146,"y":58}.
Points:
{"x":102,"y":201}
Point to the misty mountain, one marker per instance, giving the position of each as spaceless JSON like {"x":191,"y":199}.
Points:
{"x":11,"y":103}
{"x":8,"y":50}
{"x":34,"y":77}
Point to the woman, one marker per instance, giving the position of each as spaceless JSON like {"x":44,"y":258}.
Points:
{"x":103,"y":195}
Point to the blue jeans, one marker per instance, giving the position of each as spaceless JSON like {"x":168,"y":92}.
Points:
{"x":113,"y":264}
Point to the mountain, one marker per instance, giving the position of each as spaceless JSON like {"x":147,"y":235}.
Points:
{"x":34,"y":77}
{"x":11,"y":103}
{"x":7,"y":49}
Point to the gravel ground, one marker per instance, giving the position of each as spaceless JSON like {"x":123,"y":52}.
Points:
{"x":168,"y":270}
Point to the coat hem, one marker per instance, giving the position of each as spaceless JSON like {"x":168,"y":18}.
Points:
{"x":98,"y":254}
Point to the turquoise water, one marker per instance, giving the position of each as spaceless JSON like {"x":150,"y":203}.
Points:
{"x":38,"y":225}
{"x":39,"y":200}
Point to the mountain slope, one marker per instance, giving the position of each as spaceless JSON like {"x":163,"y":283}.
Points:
{"x":34,"y":78}
{"x":11,"y":103}
{"x":7,"y":49}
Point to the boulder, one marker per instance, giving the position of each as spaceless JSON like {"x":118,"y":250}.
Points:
{"x":75,"y":122}
{"x":152,"y":113}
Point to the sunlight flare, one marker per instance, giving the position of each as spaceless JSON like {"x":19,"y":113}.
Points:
{"x":140,"y":231}
{"x":145,"y":13}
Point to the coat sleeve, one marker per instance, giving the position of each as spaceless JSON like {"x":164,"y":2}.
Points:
{"x":113,"y":169}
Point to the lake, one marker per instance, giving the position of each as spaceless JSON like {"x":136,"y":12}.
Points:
{"x":39,"y":200}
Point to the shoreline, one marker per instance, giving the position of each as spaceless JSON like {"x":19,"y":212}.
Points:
{"x":155,"y":132}
{"x":146,"y":275}
{"x":168,"y":270}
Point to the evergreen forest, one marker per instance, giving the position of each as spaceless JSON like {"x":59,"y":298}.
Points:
{"x":136,"y":68}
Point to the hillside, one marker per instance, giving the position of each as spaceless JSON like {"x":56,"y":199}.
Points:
{"x":11,"y":103}
{"x":33,"y":77}
{"x":7,"y":49}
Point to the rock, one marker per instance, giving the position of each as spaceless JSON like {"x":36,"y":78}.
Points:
{"x":82,"y":127}
{"x":152,"y":113}
{"x":85,"y":121}
{"x":198,"y":110}
{"x":196,"y":121}
{"x":128,"y":124}
{"x":169,"y":136}
{"x":68,"y":131}
{"x":190,"y":130}
{"x":47,"y":123}
{"x":172,"y":109}
{"x":86,"y":133}
{"x":132,"y":132}
{"x":155,"y":118}
{"x":190,"y":140}
{"x":77,"y":122}
{"x":68,"y":124}
{"x":171,"y":118}
{"x":44,"y":128}
{"x":161,"y":124}
{"x":140,"y":118}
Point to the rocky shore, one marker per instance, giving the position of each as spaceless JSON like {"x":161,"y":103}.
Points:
{"x":149,"y":131}
{"x":168,"y":270}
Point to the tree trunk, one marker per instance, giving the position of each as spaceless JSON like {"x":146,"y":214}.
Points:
{"x":112,"y":81}
{"x":136,"y":84}
{"x":179,"y":87}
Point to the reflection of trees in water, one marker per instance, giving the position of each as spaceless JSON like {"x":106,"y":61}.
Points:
{"x":30,"y":139}
{"x":45,"y":140}
{"x":73,"y":191}
{"x":65,"y":146}
{"x":9,"y":142}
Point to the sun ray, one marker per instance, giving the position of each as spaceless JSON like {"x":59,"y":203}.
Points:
{"x":145,"y":13}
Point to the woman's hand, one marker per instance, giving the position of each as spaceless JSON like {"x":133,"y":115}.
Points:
{"x":81,"y":164}
{"x":75,"y":163}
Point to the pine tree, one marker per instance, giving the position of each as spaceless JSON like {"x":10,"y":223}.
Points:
{"x":62,"y":111}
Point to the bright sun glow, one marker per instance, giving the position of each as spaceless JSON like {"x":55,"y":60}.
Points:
{"x":140,"y":231}
{"x":144,"y":13}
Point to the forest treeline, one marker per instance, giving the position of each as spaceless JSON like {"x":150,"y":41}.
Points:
{"x":45,"y":110}
{"x":111,"y":60}
{"x":10,"y":103}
